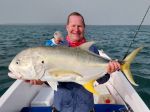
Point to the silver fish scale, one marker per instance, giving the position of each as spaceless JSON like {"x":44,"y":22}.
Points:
{"x":77,"y":53}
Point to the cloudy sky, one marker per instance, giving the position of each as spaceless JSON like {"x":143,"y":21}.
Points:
{"x":95,"y":12}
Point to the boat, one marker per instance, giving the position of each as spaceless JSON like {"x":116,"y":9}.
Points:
{"x":116,"y":95}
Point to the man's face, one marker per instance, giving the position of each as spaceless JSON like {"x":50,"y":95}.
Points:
{"x":58,"y":40}
{"x":75,"y":28}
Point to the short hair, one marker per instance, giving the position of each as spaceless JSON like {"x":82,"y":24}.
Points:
{"x":75,"y":14}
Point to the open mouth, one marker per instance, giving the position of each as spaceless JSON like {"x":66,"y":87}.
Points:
{"x":14,"y":76}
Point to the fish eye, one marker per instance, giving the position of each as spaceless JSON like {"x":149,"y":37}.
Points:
{"x":42,"y":61}
{"x":17,"y":62}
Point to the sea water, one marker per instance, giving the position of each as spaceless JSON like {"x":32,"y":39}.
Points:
{"x":114,"y":40}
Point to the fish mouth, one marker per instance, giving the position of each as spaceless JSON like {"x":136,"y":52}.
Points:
{"x":12,"y":75}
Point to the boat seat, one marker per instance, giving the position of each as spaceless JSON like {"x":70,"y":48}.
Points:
{"x":43,"y":98}
{"x":46,"y":94}
{"x":105,"y":96}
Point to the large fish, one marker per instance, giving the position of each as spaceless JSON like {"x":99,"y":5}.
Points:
{"x":65,"y":64}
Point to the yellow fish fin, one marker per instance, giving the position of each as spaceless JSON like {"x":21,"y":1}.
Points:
{"x":125,"y":67}
{"x":89,"y":86}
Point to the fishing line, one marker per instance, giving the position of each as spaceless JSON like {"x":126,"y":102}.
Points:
{"x":129,"y":109}
{"x":136,"y":33}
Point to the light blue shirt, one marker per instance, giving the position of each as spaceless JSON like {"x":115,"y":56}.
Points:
{"x":51,"y":43}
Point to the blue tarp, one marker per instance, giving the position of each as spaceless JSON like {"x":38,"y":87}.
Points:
{"x":109,"y":108}
{"x":97,"y":107}
{"x":36,"y":109}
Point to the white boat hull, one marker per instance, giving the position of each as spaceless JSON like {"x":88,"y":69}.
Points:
{"x":119,"y":84}
{"x":20,"y":94}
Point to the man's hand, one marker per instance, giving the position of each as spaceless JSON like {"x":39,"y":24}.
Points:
{"x":34,"y":82}
{"x":113,"y":66}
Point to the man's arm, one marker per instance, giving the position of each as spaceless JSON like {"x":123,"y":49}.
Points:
{"x":112,"y":67}
{"x":34,"y":82}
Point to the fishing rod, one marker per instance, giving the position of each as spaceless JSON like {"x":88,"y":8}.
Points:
{"x":136,"y":33}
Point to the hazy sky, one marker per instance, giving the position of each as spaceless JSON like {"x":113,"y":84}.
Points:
{"x":95,"y":12}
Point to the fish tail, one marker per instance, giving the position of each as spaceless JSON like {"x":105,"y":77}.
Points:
{"x":89,"y":86}
{"x":125,"y":67}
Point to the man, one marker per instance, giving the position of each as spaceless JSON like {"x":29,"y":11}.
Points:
{"x":72,"y":97}
{"x":57,"y":40}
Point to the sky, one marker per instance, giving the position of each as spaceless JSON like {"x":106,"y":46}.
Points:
{"x":95,"y":12}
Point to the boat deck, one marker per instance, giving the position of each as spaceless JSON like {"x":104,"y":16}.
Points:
{"x":117,"y":91}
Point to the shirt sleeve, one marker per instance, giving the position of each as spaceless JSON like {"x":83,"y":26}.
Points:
{"x":48,"y":43}
{"x":94,"y":49}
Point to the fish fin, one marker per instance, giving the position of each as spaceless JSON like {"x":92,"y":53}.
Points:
{"x":90,"y":87}
{"x":53,"y":84}
{"x":104,"y":55}
{"x":125,"y":67}
{"x":86,"y":45}
{"x":63,"y":73}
